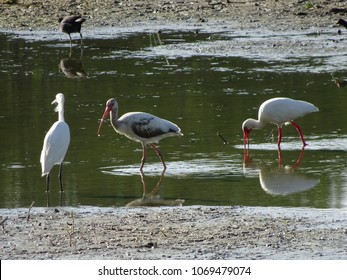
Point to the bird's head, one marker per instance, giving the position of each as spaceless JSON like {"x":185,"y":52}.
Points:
{"x":110,"y":104}
{"x":246,"y":128}
{"x":59,"y":100}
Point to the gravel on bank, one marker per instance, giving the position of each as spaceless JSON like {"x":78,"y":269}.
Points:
{"x":274,"y":14}
{"x":194,"y":232}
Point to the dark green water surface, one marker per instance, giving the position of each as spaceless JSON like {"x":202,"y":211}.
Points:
{"x":206,"y":82}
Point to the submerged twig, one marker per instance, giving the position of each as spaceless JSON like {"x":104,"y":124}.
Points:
{"x":224,"y":141}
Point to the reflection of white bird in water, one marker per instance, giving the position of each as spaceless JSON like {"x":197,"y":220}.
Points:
{"x":278,"y":111}
{"x":284,"y":182}
{"x":140,"y":127}
{"x":56,"y":143}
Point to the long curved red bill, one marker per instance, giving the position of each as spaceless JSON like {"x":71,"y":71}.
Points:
{"x":107,"y":111}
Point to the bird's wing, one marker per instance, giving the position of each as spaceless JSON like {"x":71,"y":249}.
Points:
{"x":148,"y":127}
{"x":56,"y":143}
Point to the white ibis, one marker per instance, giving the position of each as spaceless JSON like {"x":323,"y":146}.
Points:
{"x":56,"y":143}
{"x":140,"y":127}
{"x":71,"y":24}
{"x":279,"y":111}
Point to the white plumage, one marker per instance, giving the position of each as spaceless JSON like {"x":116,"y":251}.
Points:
{"x":56,"y":143}
{"x":140,"y":127}
{"x":279,"y":111}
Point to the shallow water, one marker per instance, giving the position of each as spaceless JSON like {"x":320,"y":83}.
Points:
{"x":206,"y":80}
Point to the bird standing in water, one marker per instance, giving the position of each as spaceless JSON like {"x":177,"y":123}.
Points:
{"x":140,"y":127}
{"x":278,"y":111}
{"x":71,"y":24}
{"x":56,"y":143}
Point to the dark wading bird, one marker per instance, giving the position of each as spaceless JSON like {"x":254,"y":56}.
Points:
{"x":56,"y":143}
{"x":342,"y":22}
{"x":140,"y":127}
{"x":71,"y":24}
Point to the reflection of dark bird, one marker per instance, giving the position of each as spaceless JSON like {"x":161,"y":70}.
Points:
{"x":72,"y":68}
{"x":140,"y":127}
{"x":71,"y":24}
{"x":340,"y":83}
{"x":56,"y":143}
{"x":279,"y":111}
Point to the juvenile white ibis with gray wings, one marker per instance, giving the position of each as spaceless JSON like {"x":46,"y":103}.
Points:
{"x":140,"y":127}
{"x":278,"y":111}
{"x":56,"y":143}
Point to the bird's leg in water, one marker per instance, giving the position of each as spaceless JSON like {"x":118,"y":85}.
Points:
{"x":279,"y":137}
{"x":159,"y":155}
{"x":143,"y":160}
{"x":279,"y":156}
{"x":300,"y":133}
{"x":81,"y":39}
{"x":70,"y":40}
{"x":59,"y":176}
{"x":47,"y":182}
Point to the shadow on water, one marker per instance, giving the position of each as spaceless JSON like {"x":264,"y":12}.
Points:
{"x":207,"y":79}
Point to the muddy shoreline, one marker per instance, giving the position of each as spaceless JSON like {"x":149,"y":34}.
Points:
{"x":194,"y":232}
{"x":273,"y":14}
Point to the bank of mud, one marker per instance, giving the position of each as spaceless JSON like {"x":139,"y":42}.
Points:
{"x":195,"y":232}
{"x":274,"y":14}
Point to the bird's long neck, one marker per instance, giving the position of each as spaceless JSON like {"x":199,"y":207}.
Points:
{"x":60,"y":110}
{"x":114,"y":118}
{"x":257,"y":124}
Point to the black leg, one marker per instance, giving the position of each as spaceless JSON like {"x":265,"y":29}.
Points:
{"x":59,"y":176}
{"x":81,"y":39}
{"x":47,"y":182}
{"x":70,"y":41}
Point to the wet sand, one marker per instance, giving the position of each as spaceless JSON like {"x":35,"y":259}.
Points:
{"x":197,"y":232}
{"x":194,"y":232}
{"x":272,"y":14}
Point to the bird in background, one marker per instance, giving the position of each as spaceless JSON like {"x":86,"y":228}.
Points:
{"x":279,"y":111}
{"x":56,"y":143}
{"x":71,"y":24}
{"x":140,"y":127}
{"x":342,"y":22}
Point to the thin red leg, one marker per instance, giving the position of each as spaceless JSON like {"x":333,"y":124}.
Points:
{"x":159,"y":155}
{"x":299,"y":160}
{"x":279,"y":137}
{"x":143,"y":160}
{"x":300,"y":133}
{"x":279,"y":156}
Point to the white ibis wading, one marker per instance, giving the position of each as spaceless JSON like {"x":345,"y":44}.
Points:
{"x":278,"y":111}
{"x":56,"y":143}
{"x":140,"y":127}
